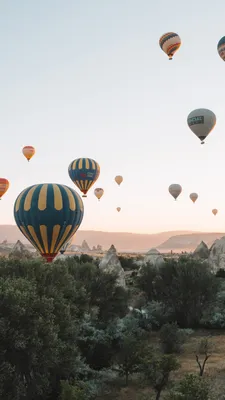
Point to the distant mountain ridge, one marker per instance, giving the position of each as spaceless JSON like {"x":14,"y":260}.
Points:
{"x":189,"y":242}
{"x":127,"y":242}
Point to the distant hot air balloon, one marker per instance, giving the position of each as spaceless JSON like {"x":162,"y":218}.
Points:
{"x":118,"y":209}
{"x":193,"y":197}
{"x":98,"y":192}
{"x":170,"y":42}
{"x":201,"y":122}
{"x":66,"y":246}
{"x":28,"y":152}
{"x":214,"y":211}
{"x":221,"y":48}
{"x":4,"y":185}
{"x":119,"y":179}
{"x":48,"y":215}
{"x":175,"y":190}
{"x":84,"y":172}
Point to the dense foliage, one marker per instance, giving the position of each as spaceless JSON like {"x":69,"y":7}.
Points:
{"x":66,"y":332}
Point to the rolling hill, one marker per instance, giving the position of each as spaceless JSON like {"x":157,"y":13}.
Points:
{"x":127,"y":242}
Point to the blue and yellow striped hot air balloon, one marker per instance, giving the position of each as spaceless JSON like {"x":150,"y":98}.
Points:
{"x":84,"y":172}
{"x":170,"y":42}
{"x":48,"y":215}
{"x":221,"y":48}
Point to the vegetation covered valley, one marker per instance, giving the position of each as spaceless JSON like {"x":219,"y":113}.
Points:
{"x":68,"y":332}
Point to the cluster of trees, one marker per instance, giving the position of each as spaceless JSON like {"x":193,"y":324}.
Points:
{"x":66,"y":332}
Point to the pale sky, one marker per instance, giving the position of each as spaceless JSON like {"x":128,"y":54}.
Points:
{"x":87,"y":78}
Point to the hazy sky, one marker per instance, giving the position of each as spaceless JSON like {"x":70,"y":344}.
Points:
{"x":87,"y":78}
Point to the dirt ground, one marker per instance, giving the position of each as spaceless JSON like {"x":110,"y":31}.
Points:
{"x":215,"y":368}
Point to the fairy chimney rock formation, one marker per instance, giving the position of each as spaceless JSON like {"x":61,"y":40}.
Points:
{"x":111,"y":263}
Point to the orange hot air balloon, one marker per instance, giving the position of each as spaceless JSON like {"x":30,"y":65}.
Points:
{"x":28,"y":152}
{"x":4,"y":185}
{"x":119,"y":179}
{"x":214,"y":211}
{"x":118,"y":209}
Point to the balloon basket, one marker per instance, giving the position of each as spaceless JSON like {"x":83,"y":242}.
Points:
{"x":84,"y":195}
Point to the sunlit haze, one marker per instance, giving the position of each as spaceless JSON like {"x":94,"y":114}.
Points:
{"x":87,"y":78}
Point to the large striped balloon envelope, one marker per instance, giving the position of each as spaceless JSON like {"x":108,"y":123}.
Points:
{"x":48,"y":215}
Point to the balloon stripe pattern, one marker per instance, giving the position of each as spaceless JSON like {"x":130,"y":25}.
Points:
{"x":48,"y":215}
{"x":28,"y":152}
{"x":170,"y":42}
{"x":221,"y":48}
{"x":84,"y":172}
{"x":4,"y":185}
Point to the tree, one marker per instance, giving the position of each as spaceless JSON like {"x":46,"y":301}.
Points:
{"x":130,"y":347}
{"x":191,"y":387}
{"x":145,"y":281}
{"x":172,"y":338}
{"x":187,"y":287}
{"x":157,"y":370}
{"x":204,"y":349}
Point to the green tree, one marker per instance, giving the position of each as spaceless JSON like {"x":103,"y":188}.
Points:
{"x":187,"y":287}
{"x":191,"y":387}
{"x":131,"y":346}
{"x":157,"y":370}
{"x":172,"y":338}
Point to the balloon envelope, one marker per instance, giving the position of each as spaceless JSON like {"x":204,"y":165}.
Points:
{"x":193,"y":197}
{"x":28,"y":152}
{"x":4,"y":185}
{"x":221,"y":48}
{"x":201,"y":122}
{"x":170,"y":42}
{"x":48,"y":215}
{"x":119,"y":179}
{"x":84,"y":172}
{"x":98,"y":192}
{"x":175,"y":190}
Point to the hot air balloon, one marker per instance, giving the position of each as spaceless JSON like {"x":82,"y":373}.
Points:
{"x":4,"y":185}
{"x":28,"y":152}
{"x":118,"y":209}
{"x":221,"y":48}
{"x":170,"y":42}
{"x":119,"y":179}
{"x":214,"y":211}
{"x":48,"y":215}
{"x":175,"y":190}
{"x":201,"y":122}
{"x":98,"y":193}
{"x":193,"y":197}
{"x":84,"y":172}
{"x":65,"y":246}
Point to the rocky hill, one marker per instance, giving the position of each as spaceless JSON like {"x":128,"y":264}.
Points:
{"x":189,"y":242}
{"x":127,"y":242}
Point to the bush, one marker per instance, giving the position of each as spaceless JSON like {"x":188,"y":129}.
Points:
{"x":191,"y":387}
{"x":172,"y":338}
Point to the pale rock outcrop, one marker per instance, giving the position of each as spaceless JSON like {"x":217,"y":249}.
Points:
{"x":111,"y":263}
{"x":201,"y":252}
{"x":154,"y":257}
{"x":216,"y":258}
{"x":85,"y":247}
{"x":20,"y":251}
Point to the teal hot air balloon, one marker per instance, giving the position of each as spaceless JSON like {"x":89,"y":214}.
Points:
{"x":48,"y":215}
{"x":84,"y":172}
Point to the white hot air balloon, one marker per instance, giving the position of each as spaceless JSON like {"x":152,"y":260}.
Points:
{"x":175,"y":190}
{"x":193,"y":197}
{"x":214,"y":211}
{"x":201,"y":122}
{"x":98,"y":192}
